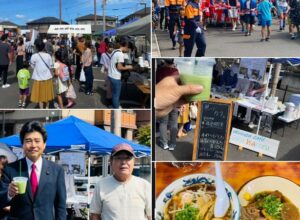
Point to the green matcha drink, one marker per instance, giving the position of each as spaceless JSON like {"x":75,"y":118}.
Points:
{"x":21,"y":183}
{"x":202,"y":80}
{"x":200,"y":74}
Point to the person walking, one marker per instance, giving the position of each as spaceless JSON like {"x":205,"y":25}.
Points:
{"x":42,"y":87}
{"x":232,"y":12}
{"x":5,"y":60}
{"x":193,"y":32}
{"x":170,"y":119}
{"x":173,"y":8}
{"x":20,"y":54}
{"x":23,"y":81}
{"x":264,"y":10}
{"x":250,"y":13}
{"x":87,"y":63}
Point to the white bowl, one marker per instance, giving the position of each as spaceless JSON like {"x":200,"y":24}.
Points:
{"x":189,"y":180}
{"x":289,"y":189}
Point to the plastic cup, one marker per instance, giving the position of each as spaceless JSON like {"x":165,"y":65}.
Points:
{"x":201,"y":74}
{"x":21,"y":183}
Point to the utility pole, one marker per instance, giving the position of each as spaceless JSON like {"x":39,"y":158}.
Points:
{"x":60,"y":5}
{"x":95,"y":13}
{"x":103,"y":12}
{"x":144,"y":7}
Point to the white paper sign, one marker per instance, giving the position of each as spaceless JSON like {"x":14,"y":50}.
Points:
{"x":70,"y":29}
{"x":255,"y":64}
{"x":73,"y":162}
{"x":254,"y":142}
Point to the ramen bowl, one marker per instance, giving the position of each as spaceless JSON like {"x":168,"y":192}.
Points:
{"x":187,"y":181}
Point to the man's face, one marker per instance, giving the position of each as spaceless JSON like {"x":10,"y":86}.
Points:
{"x":33,"y":145}
{"x":122,"y":165}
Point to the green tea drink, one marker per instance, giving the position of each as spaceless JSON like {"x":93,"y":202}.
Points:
{"x":202,"y":80}
{"x":201,"y":75}
{"x":21,"y":183}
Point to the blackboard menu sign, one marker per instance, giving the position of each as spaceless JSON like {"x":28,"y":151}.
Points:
{"x":212,"y":130}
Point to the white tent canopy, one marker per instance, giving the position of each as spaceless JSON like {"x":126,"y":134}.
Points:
{"x":70,"y":29}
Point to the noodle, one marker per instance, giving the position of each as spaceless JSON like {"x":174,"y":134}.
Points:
{"x":195,"y":202}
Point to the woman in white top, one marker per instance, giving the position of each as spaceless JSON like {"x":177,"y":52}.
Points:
{"x":42,"y":88}
{"x":105,"y":62}
{"x":87,"y":60}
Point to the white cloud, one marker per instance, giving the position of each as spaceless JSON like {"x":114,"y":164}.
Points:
{"x":20,"y":16}
{"x":30,"y":19}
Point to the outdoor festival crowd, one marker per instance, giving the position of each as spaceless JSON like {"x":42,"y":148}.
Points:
{"x":187,"y":21}
{"x":54,"y":64}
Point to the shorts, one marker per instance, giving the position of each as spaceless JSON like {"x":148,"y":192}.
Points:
{"x":265,"y":23}
{"x":232,"y":13}
{"x":24,"y":91}
{"x":242,"y":18}
{"x":249,"y":19}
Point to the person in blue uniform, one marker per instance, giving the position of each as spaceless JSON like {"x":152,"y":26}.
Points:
{"x":193,"y":31}
{"x":173,"y":8}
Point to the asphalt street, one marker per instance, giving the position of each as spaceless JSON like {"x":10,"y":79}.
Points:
{"x":131,"y":97}
{"x":223,"y":42}
{"x":289,"y":147}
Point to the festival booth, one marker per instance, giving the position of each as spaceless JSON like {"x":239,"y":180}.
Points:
{"x":240,"y":84}
{"x":75,"y":136}
{"x":140,"y":31}
{"x":69,"y":30}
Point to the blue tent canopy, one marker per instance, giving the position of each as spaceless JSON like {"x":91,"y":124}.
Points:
{"x":73,"y":133}
{"x":290,"y":61}
{"x":113,"y":32}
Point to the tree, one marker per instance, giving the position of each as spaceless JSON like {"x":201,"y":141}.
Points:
{"x":144,"y":135}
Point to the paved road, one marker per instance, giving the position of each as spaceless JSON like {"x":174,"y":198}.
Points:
{"x":131,"y":97}
{"x":289,"y":147}
{"x":223,"y":42}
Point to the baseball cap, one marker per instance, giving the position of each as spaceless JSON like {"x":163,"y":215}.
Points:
{"x":122,"y":147}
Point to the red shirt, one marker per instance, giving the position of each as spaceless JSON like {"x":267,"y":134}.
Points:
{"x":164,"y":71}
{"x":102,"y":48}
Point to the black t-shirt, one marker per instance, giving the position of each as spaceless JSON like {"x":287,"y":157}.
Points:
{"x":4,"y":51}
{"x":232,"y":2}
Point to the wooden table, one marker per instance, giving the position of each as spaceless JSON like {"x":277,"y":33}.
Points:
{"x":145,"y":90}
{"x":235,"y":174}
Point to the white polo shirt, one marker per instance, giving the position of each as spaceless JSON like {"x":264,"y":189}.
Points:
{"x":116,"y":57}
{"x":115,"y":200}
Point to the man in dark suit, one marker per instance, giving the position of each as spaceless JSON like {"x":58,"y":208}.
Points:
{"x":45,"y":196}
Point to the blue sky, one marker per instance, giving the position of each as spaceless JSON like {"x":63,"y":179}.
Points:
{"x":22,"y":11}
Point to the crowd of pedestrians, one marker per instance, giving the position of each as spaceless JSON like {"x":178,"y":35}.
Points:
{"x":188,"y":19}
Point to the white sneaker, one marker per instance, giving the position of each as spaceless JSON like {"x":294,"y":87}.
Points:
{"x":165,"y":147}
{"x":171,"y":148}
{"x":56,"y":105}
{"x":5,"y":86}
{"x":252,"y":125}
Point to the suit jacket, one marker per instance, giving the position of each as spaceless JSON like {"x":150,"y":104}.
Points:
{"x":50,"y":200}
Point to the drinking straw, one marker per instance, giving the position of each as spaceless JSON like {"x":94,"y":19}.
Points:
{"x":20,"y":167}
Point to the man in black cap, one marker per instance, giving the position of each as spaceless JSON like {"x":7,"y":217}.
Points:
{"x":121,"y":195}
